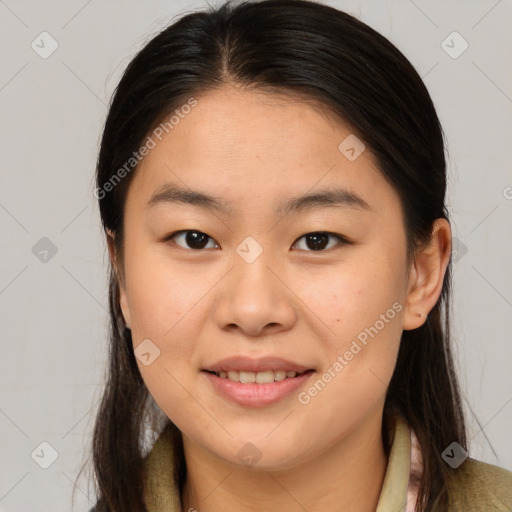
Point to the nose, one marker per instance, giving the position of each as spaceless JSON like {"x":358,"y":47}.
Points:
{"x":255,"y":299}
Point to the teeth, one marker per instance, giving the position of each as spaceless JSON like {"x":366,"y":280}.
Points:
{"x":234,"y":375}
{"x":279,"y":375}
{"x":247,"y":377}
{"x":265,"y":377}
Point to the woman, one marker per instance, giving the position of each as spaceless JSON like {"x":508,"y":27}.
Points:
{"x":271,"y":182}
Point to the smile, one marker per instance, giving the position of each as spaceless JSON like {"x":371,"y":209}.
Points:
{"x":256,"y":389}
{"x":264,"y":377}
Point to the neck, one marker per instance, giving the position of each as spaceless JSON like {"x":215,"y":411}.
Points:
{"x":346,"y":476}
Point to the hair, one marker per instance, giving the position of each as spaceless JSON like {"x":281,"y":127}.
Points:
{"x":313,"y":51}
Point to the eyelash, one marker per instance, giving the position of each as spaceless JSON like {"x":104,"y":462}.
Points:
{"x":342,"y":240}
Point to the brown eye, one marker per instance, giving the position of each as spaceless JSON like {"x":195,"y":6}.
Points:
{"x":191,"y":239}
{"x":319,"y":241}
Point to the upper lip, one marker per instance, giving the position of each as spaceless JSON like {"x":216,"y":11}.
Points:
{"x":246,"y":364}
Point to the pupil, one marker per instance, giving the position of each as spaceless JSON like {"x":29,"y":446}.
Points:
{"x":319,"y":241}
{"x":196,"y":239}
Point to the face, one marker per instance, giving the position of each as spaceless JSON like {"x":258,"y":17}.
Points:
{"x":317,"y":287}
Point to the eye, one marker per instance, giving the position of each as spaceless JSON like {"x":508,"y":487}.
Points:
{"x":195,"y":239}
{"x":318,"y":240}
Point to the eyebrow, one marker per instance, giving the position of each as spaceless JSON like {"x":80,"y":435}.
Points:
{"x":332,"y":197}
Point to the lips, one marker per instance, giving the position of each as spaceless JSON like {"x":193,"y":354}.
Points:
{"x":252,"y":394}
{"x":256,"y":382}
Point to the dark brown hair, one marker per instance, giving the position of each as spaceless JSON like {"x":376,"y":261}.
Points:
{"x":322,"y":54}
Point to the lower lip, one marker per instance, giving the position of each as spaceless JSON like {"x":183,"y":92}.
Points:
{"x":257,"y":395}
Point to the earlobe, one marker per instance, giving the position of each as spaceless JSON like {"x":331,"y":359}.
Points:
{"x":123,"y":301}
{"x":427,"y":276}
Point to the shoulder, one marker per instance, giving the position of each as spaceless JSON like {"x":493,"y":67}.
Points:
{"x":479,"y":487}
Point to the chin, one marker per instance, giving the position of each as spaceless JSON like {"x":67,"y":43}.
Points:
{"x":265,"y":455}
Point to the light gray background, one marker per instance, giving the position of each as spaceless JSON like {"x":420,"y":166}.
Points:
{"x":54,"y":313}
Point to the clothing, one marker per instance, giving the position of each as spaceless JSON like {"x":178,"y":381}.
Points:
{"x":476,"y":486}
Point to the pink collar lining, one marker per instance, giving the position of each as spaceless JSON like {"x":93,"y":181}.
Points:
{"x":415,"y":472}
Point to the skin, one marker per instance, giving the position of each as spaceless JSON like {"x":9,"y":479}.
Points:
{"x":201,"y":305}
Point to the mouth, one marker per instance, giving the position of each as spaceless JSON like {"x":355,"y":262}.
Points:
{"x":256,"y":382}
{"x":262,"y":377}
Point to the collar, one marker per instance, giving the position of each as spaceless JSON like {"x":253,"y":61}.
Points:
{"x":398,"y":494}
{"x":396,"y":491}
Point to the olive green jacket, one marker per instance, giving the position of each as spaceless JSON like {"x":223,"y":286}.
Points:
{"x":476,"y":486}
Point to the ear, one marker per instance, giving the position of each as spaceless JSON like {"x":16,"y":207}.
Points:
{"x":123,"y":301}
{"x":427,"y":275}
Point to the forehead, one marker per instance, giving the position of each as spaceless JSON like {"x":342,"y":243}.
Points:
{"x":249,"y":146}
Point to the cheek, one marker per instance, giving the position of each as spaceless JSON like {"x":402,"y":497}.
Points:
{"x":361,"y":305}
{"x":173,"y":394}
{"x":166,"y":308}
{"x":352,"y":296}
{"x":165,"y":298}
{"x":360,"y":347}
